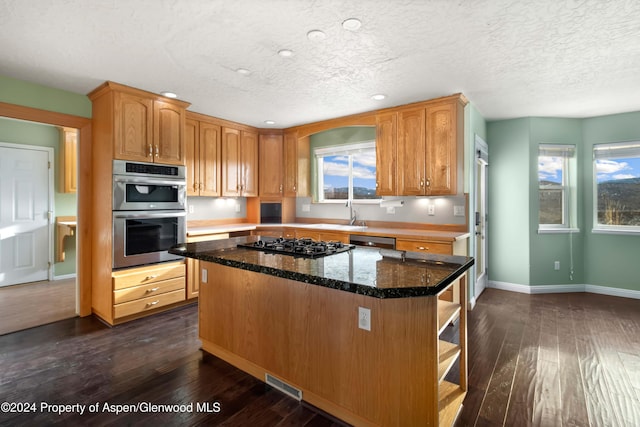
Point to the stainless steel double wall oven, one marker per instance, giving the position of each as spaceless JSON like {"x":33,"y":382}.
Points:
{"x":149,"y":214}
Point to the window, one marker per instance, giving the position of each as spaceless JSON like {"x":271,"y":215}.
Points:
{"x":556,"y":207}
{"x":617,"y":186}
{"x":347,"y":172}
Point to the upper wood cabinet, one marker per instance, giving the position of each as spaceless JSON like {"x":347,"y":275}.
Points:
{"x":68,"y":163}
{"x":430,"y":148}
{"x":145,"y":127}
{"x":239,"y":163}
{"x":203,"y":157}
{"x":271,"y":165}
{"x":386,"y":153}
{"x":290,"y":164}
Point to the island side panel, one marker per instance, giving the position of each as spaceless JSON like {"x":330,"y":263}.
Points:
{"x":308,"y":336}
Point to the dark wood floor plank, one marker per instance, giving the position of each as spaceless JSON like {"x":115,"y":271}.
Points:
{"x":561,"y":359}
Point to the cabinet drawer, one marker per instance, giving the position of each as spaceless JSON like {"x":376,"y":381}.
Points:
{"x":430,"y":247}
{"x":149,"y":290}
{"x":145,"y":275}
{"x":146,"y":304}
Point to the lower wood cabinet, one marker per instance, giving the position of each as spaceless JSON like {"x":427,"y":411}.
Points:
{"x":194,"y":273}
{"x":141,"y":290}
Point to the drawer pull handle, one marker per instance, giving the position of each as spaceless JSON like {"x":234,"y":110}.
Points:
{"x":422,"y":248}
{"x":153,"y":289}
{"x":150,"y":277}
{"x":151,"y":304}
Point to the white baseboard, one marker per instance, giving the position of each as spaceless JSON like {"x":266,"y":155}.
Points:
{"x":65,"y":276}
{"x":471,"y":304}
{"x":555,"y":289}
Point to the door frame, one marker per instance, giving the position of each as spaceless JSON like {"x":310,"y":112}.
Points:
{"x":85,"y":177}
{"x":480,"y":164}
{"x":50,"y":193}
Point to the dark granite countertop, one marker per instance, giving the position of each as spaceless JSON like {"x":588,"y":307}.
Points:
{"x":361,"y":270}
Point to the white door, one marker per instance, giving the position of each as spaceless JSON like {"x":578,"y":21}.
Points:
{"x":25,"y":205}
{"x":481,"y":163}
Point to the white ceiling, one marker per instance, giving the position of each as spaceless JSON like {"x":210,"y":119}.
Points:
{"x":511,"y":58}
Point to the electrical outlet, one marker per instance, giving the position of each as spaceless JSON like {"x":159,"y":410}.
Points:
{"x":431,"y":209}
{"x":306,"y":208}
{"x":237,"y":207}
{"x":191,"y":209}
{"x":203,"y":276}
{"x":458,"y":211}
{"x":556,"y":265}
{"x":391,"y":210}
{"x":364,"y":318}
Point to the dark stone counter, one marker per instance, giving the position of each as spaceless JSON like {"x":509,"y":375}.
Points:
{"x":361,"y":270}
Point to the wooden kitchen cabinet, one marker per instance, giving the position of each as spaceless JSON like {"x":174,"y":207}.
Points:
{"x":290,"y":164}
{"x":271,"y":183}
{"x":239,"y":163}
{"x":146,"y":127}
{"x":203,"y":158}
{"x":430,"y":148}
{"x":424,"y":246}
{"x":386,"y":153}
{"x":139,"y":290}
{"x":68,"y":160}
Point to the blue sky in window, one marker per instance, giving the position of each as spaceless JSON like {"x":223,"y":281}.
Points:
{"x":550,"y":169}
{"x":615,"y":169}
{"x":336,"y":170}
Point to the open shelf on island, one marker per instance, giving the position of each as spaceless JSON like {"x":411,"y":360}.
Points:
{"x":447,"y":313}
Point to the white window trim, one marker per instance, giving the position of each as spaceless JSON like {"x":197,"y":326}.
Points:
{"x":336,"y":150}
{"x":566,"y":151}
{"x":618,"y":150}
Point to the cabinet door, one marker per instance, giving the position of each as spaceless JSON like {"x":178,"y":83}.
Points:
{"x":249,"y":171}
{"x":133,"y":127}
{"x":168,"y":131}
{"x":386,"y":152}
{"x":191,"y":144}
{"x":209,"y":158}
{"x":441,"y":149}
{"x":68,"y":163}
{"x":230,"y":162}
{"x":411,"y":152}
{"x":290,"y":164}
{"x":193,"y":278}
{"x":270,"y":166}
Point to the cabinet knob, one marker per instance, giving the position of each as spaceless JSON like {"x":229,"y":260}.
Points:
{"x":153,"y":276}
{"x":422,"y":248}
{"x":157,"y":151}
{"x":152,"y":289}
{"x":421,"y":183}
{"x":281,"y":188}
{"x":428,"y":182}
{"x":377,"y":184}
{"x":151,"y":304}
{"x":150,"y":150}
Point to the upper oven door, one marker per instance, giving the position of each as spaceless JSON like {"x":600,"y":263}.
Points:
{"x":148,"y":193}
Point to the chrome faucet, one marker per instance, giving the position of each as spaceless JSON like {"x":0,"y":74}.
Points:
{"x":352,"y":213}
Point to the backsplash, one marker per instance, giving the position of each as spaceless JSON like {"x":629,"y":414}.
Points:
{"x":414,"y":209}
{"x":200,"y":208}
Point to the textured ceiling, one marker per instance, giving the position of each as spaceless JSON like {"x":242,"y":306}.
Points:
{"x":512,"y":58}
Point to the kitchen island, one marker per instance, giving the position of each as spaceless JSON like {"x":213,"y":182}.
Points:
{"x":298,"y":324}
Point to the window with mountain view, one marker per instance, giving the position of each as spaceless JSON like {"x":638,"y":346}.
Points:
{"x":554,"y":190}
{"x":347,"y":172}
{"x":617,"y":182}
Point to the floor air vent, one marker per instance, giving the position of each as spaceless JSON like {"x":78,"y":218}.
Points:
{"x":283,"y":387}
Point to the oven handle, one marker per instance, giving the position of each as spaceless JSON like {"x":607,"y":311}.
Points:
{"x":147,"y":214}
{"x":148,"y":181}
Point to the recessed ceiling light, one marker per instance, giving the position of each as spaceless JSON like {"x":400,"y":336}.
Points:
{"x":169,"y":94}
{"x":243,"y":71}
{"x":316,"y":35}
{"x":352,"y":24}
{"x":285,"y":53}
{"x":378,"y":96}
{"x":269,"y":122}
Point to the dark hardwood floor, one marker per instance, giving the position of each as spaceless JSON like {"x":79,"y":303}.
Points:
{"x":539,"y":360}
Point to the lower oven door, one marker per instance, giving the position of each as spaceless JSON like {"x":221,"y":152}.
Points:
{"x":143,"y":237}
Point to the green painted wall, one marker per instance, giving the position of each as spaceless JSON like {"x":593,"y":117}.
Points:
{"x":545,"y":249}
{"x":518,"y":254}
{"x":508,"y":200}
{"x":18,"y":92}
{"x":27,"y":133}
{"x":610,"y":260}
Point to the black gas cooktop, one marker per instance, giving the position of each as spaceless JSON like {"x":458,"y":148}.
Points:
{"x":305,"y":247}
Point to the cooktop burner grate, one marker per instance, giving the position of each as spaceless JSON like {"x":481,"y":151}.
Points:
{"x":305,"y":247}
